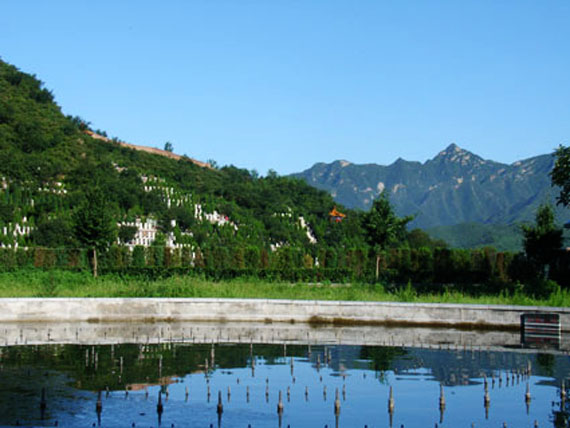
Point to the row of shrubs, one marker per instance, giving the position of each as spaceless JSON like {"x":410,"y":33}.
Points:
{"x":420,"y":266}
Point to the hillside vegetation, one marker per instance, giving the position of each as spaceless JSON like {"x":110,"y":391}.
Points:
{"x":48,"y":162}
{"x":71,"y":198}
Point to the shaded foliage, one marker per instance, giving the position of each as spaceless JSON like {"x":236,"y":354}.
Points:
{"x":561,"y":174}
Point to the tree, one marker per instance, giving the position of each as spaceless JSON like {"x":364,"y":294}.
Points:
{"x":561,"y":174}
{"x":168,"y":146}
{"x":53,"y":233}
{"x":94,"y":225}
{"x":418,"y":238}
{"x":127,"y":233}
{"x":383,"y":227}
{"x":542,"y":240}
{"x":213,"y":163}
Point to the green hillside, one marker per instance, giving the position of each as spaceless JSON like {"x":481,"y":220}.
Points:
{"x":477,"y":235}
{"x":48,"y":163}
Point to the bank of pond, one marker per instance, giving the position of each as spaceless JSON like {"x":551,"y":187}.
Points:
{"x":41,"y":283}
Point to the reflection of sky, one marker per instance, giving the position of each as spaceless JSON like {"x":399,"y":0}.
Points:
{"x":415,"y":378}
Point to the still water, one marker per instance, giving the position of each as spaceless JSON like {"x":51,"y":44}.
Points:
{"x":188,"y":379}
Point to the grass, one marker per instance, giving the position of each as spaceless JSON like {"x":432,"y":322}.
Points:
{"x":37,"y":283}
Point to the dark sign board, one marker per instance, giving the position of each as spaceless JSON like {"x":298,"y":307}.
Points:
{"x":540,"y":330}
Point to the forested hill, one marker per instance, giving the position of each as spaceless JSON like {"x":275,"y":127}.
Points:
{"x":48,"y":163}
{"x":454,"y":187}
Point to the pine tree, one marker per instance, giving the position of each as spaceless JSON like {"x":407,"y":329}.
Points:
{"x":383,"y":227}
{"x":94,"y":225}
{"x":542,"y":240}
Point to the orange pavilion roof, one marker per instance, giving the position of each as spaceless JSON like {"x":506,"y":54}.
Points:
{"x":335,"y":213}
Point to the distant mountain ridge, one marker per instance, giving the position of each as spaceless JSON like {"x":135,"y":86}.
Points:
{"x":454,"y":187}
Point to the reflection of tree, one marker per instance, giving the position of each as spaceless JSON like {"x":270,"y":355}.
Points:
{"x":560,"y":417}
{"x":95,"y":368}
{"x":546,"y":362}
{"x":381,"y":358}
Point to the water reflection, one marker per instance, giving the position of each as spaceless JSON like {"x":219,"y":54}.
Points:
{"x":257,"y":385}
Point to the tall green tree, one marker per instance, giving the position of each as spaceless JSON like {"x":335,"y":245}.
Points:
{"x":561,"y":174}
{"x":383,"y":227}
{"x":53,"y":233}
{"x":93,"y":223}
{"x":542,"y":240}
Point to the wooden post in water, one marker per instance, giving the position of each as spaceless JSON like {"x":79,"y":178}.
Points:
{"x":98,"y":408}
{"x":280,"y":403}
{"x":336,"y":403}
{"x":441,"y":403}
{"x":159,"y":407}
{"x":486,"y":402}
{"x":43,"y":403}
{"x":527,"y":398}
{"x":391,"y":406}
{"x":99,"y":404}
{"x":529,"y":368}
{"x":220,"y":408}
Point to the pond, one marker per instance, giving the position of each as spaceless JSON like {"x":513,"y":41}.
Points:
{"x":180,"y":381}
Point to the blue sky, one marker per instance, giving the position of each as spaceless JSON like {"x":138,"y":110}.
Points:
{"x":284,"y":84}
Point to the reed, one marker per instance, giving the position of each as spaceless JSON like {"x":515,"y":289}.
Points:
{"x":60,"y":283}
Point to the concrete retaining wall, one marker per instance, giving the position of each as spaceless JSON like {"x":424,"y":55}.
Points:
{"x":259,"y":310}
{"x":86,"y":333}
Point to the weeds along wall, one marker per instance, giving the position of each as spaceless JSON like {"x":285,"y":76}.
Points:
{"x":483,"y":269}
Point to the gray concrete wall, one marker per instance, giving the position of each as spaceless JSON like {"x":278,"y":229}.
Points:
{"x":86,"y":333}
{"x":260,"y":310}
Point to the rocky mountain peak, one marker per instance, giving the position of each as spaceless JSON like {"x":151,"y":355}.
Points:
{"x":455,"y":154}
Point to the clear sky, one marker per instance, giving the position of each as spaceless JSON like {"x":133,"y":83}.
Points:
{"x":284,"y":84}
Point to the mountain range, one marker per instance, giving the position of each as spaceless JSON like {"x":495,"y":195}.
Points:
{"x":453,"y":188}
